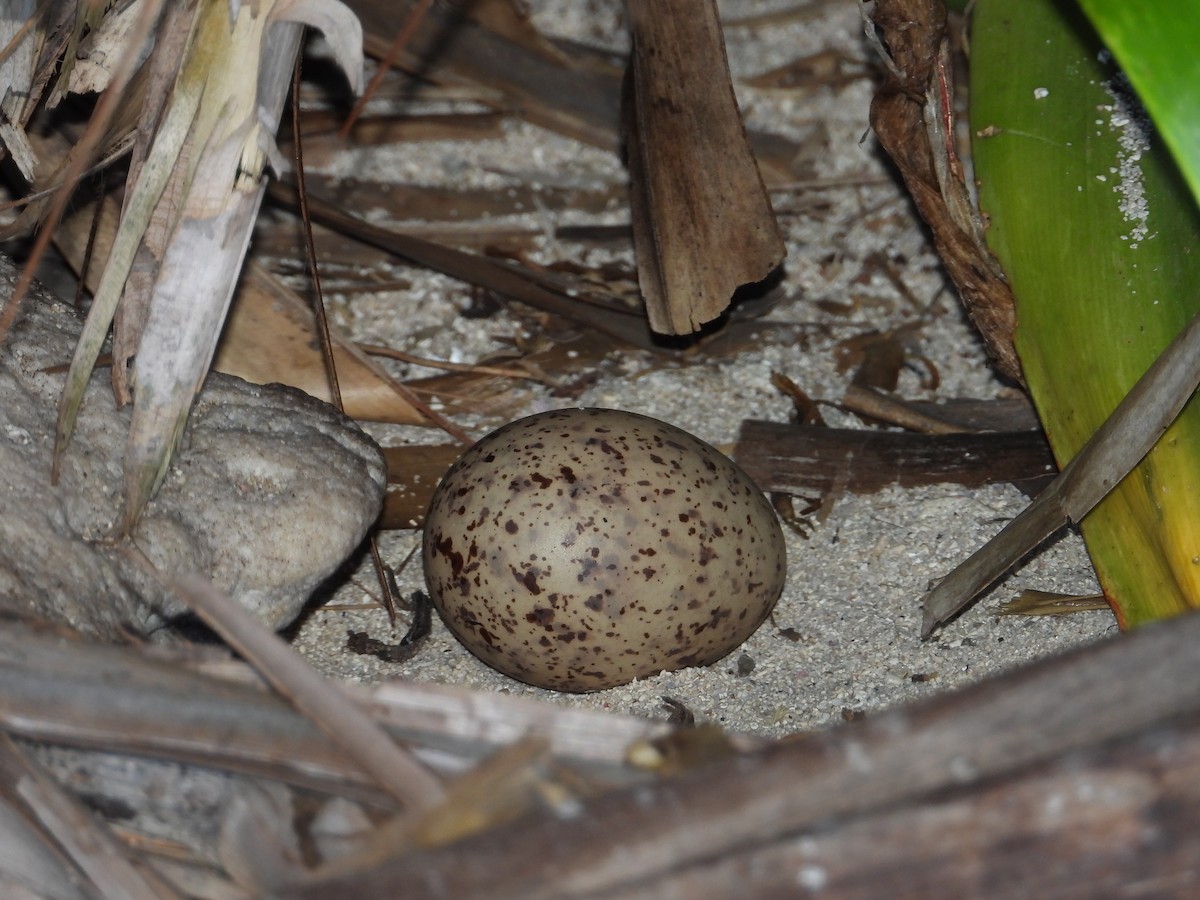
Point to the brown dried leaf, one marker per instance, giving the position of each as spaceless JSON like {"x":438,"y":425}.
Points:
{"x":322,"y":139}
{"x":575,"y":93}
{"x":413,"y":473}
{"x":544,"y":290}
{"x":913,"y":117}
{"x":1032,"y":602}
{"x":702,"y":221}
{"x":409,"y":202}
{"x":268,"y":338}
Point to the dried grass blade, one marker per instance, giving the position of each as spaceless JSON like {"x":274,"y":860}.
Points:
{"x":344,"y":722}
{"x":29,"y":857}
{"x":1119,"y":444}
{"x":240,"y":70}
{"x":807,"y":458}
{"x":135,"y":219}
{"x":84,"y":837}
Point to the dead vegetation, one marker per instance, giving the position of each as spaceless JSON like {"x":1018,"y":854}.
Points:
{"x":411,"y":790}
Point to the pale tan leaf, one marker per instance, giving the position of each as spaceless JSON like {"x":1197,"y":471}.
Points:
{"x":269,"y":338}
{"x":191,"y":296}
{"x":93,"y":66}
{"x":161,"y":71}
{"x":140,"y":202}
{"x":242,"y":69}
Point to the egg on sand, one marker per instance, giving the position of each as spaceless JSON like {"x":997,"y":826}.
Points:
{"x":580,"y":549}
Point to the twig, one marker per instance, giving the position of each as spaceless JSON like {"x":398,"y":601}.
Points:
{"x":407,"y":30}
{"x":1109,"y":455}
{"x":444,"y":365}
{"x":347,"y":725}
{"x":622,"y":841}
{"x":156,"y":701}
{"x":87,"y":841}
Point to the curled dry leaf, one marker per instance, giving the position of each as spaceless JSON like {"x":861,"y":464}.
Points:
{"x":913,"y":117}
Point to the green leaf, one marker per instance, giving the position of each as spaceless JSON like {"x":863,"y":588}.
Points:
{"x":1157,"y":43}
{"x":1098,"y":234}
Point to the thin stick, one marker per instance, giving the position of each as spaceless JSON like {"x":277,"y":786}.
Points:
{"x":310,"y":251}
{"x":407,"y":30}
{"x":333,"y":712}
{"x":444,"y":365}
{"x":1109,"y":455}
{"x":86,"y":839}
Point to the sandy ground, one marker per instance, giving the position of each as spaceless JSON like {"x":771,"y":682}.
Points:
{"x":852,"y":601}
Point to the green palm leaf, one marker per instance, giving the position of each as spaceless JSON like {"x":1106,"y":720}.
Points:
{"x":1098,"y":233}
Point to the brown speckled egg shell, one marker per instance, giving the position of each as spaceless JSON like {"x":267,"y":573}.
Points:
{"x":580,"y":549}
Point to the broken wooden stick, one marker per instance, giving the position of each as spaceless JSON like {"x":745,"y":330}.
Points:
{"x":816,"y":460}
{"x":1111,"y":696}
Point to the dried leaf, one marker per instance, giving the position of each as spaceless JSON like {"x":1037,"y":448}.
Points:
{"x":577,"y":94}
{"x":1050,"y":603}
{"x":1138,"y":688}
{"x":913,"y":117}
{"x":269,"y":338}
{"x":413,"y":473}
{"x":231,"y":144}
{"x":1116,"y":447}
{"x":702,"y":221}
{"x":140,"y":202}
{"x":91,"y":69}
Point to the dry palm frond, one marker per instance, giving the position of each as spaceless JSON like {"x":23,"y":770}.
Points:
{"x":200,"y":113}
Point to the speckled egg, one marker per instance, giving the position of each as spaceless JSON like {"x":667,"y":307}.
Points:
{"x":580,"y":549}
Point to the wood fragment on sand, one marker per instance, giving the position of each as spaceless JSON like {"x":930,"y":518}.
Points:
{"x":1093,"y":717}
{"x":812,"y":459}
{"x":702,"y":222}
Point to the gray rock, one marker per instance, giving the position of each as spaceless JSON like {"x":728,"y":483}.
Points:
{"x":269,"y":493}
